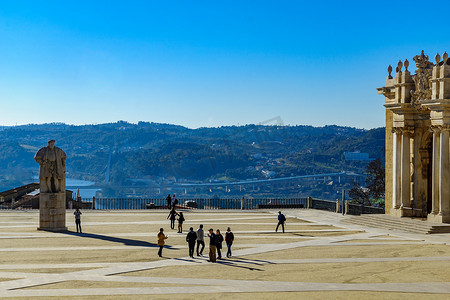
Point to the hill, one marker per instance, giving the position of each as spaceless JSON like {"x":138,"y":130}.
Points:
{"x":116,"y":153}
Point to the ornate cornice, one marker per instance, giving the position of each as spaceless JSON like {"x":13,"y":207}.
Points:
{"x":397,"y":130}
{"x":439,"y":128}
{"x":406,"y":130}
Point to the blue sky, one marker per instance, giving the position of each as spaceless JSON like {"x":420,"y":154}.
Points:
{"x":207,"y":63}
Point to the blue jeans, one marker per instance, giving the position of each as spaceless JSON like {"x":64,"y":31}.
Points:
{"x":229,"y":249}
{"x":203,"y":247}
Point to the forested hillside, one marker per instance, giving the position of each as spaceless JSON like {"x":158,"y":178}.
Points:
{"x":150,"y":150}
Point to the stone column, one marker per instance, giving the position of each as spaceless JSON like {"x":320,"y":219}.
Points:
{"x":444,"y":182}
{"x":405,"y":169}
{"x":435,"y":170}
{"x":412,"y":176}
{"x":396,"y":169}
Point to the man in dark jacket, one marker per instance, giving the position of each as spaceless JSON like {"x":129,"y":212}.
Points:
{"x":229,"y":238}
{"x":212,"y":245}
{"x":281,"y":220}
{"x":191,"y":237}
{"x":169,"y":201}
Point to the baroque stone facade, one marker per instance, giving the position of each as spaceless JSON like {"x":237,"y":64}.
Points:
{"x":417,"y":139}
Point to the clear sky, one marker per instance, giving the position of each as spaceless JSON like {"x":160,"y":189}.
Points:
{"x":208,"y":63}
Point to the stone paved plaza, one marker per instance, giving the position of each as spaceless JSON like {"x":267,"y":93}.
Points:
{"x":318,"y":257}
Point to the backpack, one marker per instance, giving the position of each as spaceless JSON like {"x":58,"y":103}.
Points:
{"x":283,"y":218}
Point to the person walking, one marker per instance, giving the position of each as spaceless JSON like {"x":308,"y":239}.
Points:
{"x":172,"y":215}
{"x":200,"y":240}
{"x":77,"y":214}
{"x":219,"y":240}
{"x":161,"y":241}
{"x":281,"y":220}
{"x":212,"y":245}
{"x":191,"y":237}
{"x":181,"y":219}
{"x":229,"y":238}
{"x":169,"y":201}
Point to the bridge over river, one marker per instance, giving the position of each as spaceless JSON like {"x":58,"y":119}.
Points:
{"x":255,"y":184}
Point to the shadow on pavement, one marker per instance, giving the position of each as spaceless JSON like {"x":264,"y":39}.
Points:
{"x":233,"y":264}
{"x":257,"y":262}
{"x":127,"y":242}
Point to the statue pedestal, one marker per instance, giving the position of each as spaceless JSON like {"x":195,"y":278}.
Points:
{"x":52,"y":212}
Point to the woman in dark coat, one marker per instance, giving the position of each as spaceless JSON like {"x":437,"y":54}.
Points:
{"x":219,"y":240}
{"x":172,"y":215}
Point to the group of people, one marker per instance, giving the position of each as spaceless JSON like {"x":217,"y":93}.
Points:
{"x":194,"y":237}
{"x":171,"y":201}
{"x":198,"y":237}
{"x":173,"y":216}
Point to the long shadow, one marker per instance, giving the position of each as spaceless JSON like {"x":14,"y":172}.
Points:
{"x":257,"y":262}
{"x":127,"y":242}
{"x":198,"y":261}
{"x":232,"y":264}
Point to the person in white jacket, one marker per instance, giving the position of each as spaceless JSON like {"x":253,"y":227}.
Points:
{"x":200,"y":240}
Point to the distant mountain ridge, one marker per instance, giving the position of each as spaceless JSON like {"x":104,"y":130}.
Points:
{"x":154,"y":150}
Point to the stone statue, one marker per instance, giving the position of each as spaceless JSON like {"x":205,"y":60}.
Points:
{"x":52,"y":168}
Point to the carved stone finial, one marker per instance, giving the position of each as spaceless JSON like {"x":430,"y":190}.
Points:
{"x":399,"y":65}
{"x":389,"y":69}
{"x":445,"y":57}
{"x":422,"y":61}
{"x":406,"y":65}
{"x":437,"y":58}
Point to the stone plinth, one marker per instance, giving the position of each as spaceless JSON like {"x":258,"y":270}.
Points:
{"x":52,"y":212}
{"x":438,"y":218}
{"x":402,"y":212}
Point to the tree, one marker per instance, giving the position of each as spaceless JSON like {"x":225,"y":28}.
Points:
{"x":374,"y":185}
{"x":359,"y":194}
{"x":375,"y":179}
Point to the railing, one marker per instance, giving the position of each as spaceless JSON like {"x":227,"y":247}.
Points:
{"x":346,"y":208}
{"x":194,"y":203}
{"x":358,"y":209}
{"x":198,"y":203}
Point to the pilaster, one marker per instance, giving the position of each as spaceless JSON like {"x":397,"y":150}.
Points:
{"x":435,"y":170}
{"x":396,"y":169}
{"x":405,"y":172}
{"x":444,"y":186}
